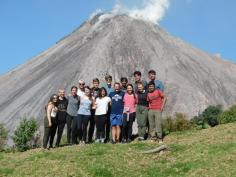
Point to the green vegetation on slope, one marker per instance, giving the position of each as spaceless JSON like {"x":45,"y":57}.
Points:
{"x":209,"y":152}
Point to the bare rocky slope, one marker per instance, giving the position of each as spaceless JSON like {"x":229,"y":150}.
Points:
{"x":118,"y":45}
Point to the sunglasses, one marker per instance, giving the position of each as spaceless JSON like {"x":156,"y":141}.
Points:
{"x":81,"y":83}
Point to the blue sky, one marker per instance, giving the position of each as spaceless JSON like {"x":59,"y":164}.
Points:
{"x":29,"y":27}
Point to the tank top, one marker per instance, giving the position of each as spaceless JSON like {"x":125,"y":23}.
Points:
{"x":85,"y":106}
{"x":54,"y":112}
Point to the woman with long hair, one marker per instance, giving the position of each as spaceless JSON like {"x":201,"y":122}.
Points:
{"x":130,"y":101}
{"x":84,"y":113}
{"x":50,"y":121}
{"x":101,"y":105}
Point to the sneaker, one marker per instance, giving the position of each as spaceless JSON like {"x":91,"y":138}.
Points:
{"x":123,"y":141}
{"x":160,"y":141}
{"x":140,"y":139}
{"x":82,"y":143}
{"x":153,"y":139}
{"x":97,"y":141}
{"x":129,"y":141}
{"x":102,"y":140}
{"x":113,"y":142}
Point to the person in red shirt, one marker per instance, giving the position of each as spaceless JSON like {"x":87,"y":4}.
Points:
{"x":156,"y":100}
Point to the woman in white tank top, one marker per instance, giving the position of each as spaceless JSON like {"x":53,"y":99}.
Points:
{"x":50,"y":121}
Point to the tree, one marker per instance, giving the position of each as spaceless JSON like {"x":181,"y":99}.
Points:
{"x":3,"y":136}
{"x":24,"y":134}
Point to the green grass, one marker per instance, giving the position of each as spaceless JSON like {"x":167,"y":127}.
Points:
{"x":210,"y":152}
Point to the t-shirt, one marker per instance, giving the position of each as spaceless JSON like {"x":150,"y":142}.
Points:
{"x":80,"y":93}
{"x":142,"y":98}
{"x":85,"y":106}
{"x":159,"y":85}
{"x":95,"y":92}
{"x":155,"y":100}
{"x":136,"y":86}
{"x":117,"y":102}
{"x":102,"y":105}
{"x":73,"y":105}
{"x":129,"y":103}
{"x":108,"y":88}
{"x":62,"y":106}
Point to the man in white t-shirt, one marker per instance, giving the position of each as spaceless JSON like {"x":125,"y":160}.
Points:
{"x":80,"y":91}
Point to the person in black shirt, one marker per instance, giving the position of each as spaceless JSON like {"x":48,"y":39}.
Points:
{"x":124,"y":82}
{"x":142,"y":111}
{"x":95,"y":90}
{"x":137,"y":79}
{"x":61,"y":115}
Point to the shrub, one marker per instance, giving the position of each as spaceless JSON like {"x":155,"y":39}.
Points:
{"x":199,"y":122}
{"x":209,"y":117}
{"x":3,"y":136}
{"x":179,"y":122}
{"x":228,"y":115}
{"x":211,"y":114}
{"x":24,"y":134}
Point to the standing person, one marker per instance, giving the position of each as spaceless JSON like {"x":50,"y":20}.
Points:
{"x":80,"y":91}
{"x":109,"y":89}
{"x":130,"y":101}
{"x":156,"y":101}
{"x":84,"y":113}
{"x":61,"y":115}
{"x":94,"y":92}
{"x":116,"y":112}
{"x":158,"y":84}
{"x":142,"y":111}
{"x":50,"y":121}
{"x":101,"y":105}
{"x":72,"y":109}
{"x":124,"y":82}
{"x":108,"y":84}
{"x":137,"y":79}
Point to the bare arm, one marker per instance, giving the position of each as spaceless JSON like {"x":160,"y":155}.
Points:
{"x":163,"y":104}
{"x":94,"y":106}
{"x":49,"y":110}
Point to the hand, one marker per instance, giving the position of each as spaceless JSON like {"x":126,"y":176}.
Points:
{"x":49,"y":124}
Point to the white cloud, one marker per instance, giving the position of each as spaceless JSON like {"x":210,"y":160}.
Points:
{"x":151,"y":10}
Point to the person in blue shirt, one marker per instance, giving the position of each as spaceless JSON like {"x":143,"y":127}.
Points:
{"x":108,"y":84}
{"x":117,"y":107}
{"x":158,"y":84}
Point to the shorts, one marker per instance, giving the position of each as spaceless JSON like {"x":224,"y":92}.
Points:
{"x":116,"y":119}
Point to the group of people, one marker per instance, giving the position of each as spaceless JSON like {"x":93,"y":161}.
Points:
{"x":109,"y":107}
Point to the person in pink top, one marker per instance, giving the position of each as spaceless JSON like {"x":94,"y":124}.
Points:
{"x":156,"y":100}
{"x":130,"y":101}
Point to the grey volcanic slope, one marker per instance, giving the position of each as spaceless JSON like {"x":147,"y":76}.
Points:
{"x":118,"y":45}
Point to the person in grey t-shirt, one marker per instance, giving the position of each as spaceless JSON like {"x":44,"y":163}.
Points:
{"x":72,"y":108}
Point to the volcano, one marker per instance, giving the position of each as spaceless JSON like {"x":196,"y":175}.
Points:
{"x":118,"y":45}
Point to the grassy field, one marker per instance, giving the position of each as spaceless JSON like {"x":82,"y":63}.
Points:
{"x":210,"y":152}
